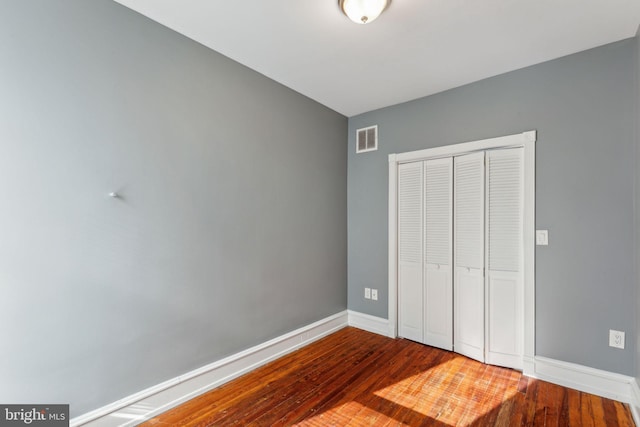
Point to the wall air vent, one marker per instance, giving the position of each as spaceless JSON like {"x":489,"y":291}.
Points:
{"x":367,"y":139}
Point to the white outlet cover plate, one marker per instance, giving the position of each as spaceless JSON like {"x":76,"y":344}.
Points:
{"x":374,"y":294}
{"x":542,"y":237}
{"x":616,"y":339}
{"x":367,"y":293}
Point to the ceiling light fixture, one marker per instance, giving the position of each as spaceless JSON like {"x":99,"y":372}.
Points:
{"x":363,"y":11}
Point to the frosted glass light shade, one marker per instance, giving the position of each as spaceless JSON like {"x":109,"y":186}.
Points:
{"x":363,"y":11}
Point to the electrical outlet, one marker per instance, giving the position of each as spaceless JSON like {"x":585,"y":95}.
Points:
{"x":367,"y":293}
{"x":374,"y":294}
{"x":542,"y":237}
{"x":616,"y":339}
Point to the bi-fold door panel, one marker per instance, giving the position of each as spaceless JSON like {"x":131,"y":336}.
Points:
{"x":410,"y":251}
{"x":505,"y":279}
{"x":438,"y":285}
{"x":460,"y":260}
{"x":469,"y":243}
{"x":504,"y":336}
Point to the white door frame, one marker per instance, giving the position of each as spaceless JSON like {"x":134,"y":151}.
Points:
{"x":526,"y":140}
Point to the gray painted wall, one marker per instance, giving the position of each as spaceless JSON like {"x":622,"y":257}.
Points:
{"x":637,"y":200}
{"x":583,"y":110}
{"x":231,"y":228}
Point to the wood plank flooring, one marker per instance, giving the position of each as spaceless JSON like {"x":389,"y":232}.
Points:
{"x":355,"y":378}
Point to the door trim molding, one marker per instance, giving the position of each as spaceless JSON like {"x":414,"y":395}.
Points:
{"x":526,"y":140}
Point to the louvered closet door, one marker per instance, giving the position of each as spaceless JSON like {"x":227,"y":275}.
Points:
{"x":410,"y":246}
{"x":438,"y":284}
{"x":505,"y":276}
{"x":469,"y":255}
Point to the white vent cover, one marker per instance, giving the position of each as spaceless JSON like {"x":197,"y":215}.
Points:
{"x":367,"y":139}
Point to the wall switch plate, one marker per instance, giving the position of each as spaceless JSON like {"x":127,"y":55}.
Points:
{"x":616,"y":339}
{"x":374,"y":294}
{"x":542,"y":237}
{"x":367,"y":293}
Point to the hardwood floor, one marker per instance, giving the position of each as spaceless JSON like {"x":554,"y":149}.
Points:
{"x":355,"y":378}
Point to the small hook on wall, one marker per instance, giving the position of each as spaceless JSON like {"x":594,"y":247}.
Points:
{"x":114,"y":195}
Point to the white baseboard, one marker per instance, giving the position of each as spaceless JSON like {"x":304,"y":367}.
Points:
{"x":134,"y":409}
{"x":635,"y":404}
{"x":583,"y":378}
{"x":370,"y":323}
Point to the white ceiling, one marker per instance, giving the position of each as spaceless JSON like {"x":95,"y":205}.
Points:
{"x":416,"y":47}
